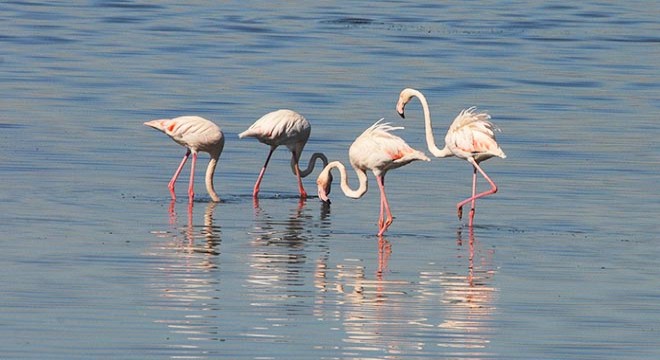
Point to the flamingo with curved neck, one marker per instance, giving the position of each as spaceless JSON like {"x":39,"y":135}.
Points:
{"x":289,"y":128}
{"x":470,"y":137}
{"x":379,"y":151}
{"x":310,"y":164}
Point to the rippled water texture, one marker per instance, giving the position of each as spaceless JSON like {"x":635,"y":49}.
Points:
{"x":98,"y":263}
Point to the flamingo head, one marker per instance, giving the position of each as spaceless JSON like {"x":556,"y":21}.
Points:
{"x":404,"y":98}
{"x":324,"y":185}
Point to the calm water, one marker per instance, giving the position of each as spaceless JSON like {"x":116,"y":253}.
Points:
{"x":97,"y":263}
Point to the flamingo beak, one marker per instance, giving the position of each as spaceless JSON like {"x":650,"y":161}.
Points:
{"x":400,"y":108}
{"x":322,"y":194}
{"x":151,"y":123}
{"x":323,"y":191}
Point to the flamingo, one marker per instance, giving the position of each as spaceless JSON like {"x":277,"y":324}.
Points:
{"x":470,"y":137}
{"x":195,"y":134}
{"x":379,"y":151}
{"x":284,"y":127}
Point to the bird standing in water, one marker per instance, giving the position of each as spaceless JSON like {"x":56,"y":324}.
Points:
{"x":379,"y":151}
{"x":470,"y":137}
{"x":284,"y":127}
{"x":195,"y":134}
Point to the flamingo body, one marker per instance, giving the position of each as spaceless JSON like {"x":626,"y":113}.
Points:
{"x":280,"y":127}
{"x":288,"y":128}
{"x":471,"y":137}
{"x":195,"y":134}
{"x":378,"y":150}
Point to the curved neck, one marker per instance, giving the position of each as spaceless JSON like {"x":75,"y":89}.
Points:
{"x":209,"y":178}
{"x":430,"y":139}
{"x":312,"y":162}
{"x":362,"y":178}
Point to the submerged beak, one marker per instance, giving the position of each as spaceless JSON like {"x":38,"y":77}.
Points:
{"x":323,"y":191}
{"x":323,"y":196}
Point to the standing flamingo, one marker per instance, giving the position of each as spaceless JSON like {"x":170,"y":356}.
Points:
{"x":284,"y":127}
{"x":470,"y":137}
{"x":195,"y":134}
{"x":376,"y":150}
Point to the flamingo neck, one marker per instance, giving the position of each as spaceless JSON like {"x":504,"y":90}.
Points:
{"x":362,"y":178}
{"x":430,"y":139}
{"x":210,"y":170}
{"x":312,"y":162}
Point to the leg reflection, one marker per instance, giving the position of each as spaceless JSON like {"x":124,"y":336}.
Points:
{"x":384,"y":252}
{"x":184,"y":280}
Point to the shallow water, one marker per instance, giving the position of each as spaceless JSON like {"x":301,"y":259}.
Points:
{"x":98,"y":263}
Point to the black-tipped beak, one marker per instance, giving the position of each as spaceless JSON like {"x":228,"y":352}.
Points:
{"x":403,"y":116}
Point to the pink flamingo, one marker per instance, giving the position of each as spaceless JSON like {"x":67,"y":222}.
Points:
{"x":376,"y":150}
{"x":195,"y":134}
{"x":470,"y":137}
{"x":284,"y":127}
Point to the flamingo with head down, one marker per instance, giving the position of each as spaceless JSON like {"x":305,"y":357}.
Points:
{"x":284,"y":127}
{"x":195,"y":134}
{"x":379,"y":151}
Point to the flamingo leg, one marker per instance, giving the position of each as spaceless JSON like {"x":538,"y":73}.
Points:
{"x":191,"y":184}
{"x":255,"y":191}
{"x":170,"y":185}
{"x":386,"y":215}
{"x":301,"y":189}
{"x":381,"y":220}
{"x":473,"y":198}
{"x":474,"y":192}
{"x":459,"y":206}
{"x":381,"y":217}
{"x":390,"y":218}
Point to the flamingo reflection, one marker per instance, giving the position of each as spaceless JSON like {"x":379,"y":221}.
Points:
{"x":384,"y":317}
{"x":185,"y":280}
{"x":278,"y":271}
{"x":469,"y":300}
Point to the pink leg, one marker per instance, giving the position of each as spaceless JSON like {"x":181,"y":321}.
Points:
{"x":381,"y":217}
{"x":386,"y":215}
{"x":176,"y":174}
{"x":459,"y":206}
{"x":390,"y":218}
{"x":255,"y":191}
{"x":191,"y":185}
{"x":295,"y":157}
{"x":473,"y":198}
{"x":301,"y":189}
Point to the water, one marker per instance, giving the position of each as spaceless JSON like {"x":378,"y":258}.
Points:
{"x":98,"y":264}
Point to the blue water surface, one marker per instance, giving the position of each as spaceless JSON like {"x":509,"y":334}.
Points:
{"x":97,"y":262}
